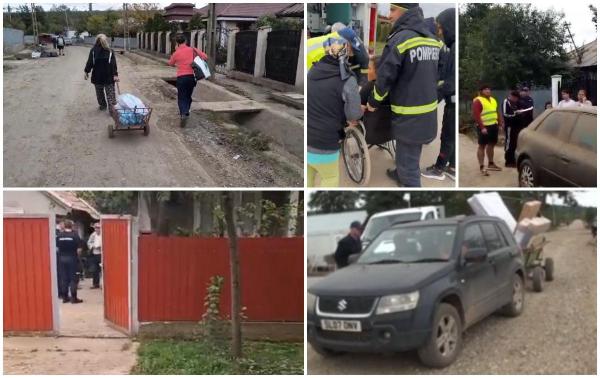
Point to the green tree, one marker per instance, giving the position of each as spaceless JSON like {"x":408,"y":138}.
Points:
{"x":508,"y":44}
{"x":96,"y":24}
{"x":333,"y":201}
{"x":594,"y":11}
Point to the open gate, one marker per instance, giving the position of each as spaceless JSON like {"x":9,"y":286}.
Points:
{"x":116,"y":268}
{"x":30,"y":297}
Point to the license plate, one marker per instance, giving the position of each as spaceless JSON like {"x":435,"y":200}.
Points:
{"x":340,"y":325}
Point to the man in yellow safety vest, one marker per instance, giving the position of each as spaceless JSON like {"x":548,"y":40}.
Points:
{"x":486,"y":113}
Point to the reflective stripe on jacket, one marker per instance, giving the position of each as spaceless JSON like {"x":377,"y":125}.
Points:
{"x":407,"y":77}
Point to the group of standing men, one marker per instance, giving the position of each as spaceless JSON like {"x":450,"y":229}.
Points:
{"x":415,"y":72}
{"x":69,"y":247}
{"x":514,"y":115}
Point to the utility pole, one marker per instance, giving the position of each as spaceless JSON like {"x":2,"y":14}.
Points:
{"x":577,"y":52}
{"x":125,"y":27}
{"x":212,"y":35}
{"x":67,"y":20}
{"x":9,"y":14}
{"x":34,"y":25}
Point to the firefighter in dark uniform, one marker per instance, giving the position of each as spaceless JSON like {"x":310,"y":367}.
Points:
{"x":348,"y":245}
{"x":69,"y":246}
{"x":407,"y":74}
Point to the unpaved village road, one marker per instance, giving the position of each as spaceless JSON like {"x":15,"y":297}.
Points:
{"x":54,"y":134}
{"x":556,"y":334}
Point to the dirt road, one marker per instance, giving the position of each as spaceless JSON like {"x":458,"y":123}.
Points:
{"x":469,"y":175}
{"x":68,"y":355}
{"x":556,"y":334}
{"x":55,"y":136}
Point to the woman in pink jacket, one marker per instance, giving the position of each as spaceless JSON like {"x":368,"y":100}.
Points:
{"x":182,"y":58}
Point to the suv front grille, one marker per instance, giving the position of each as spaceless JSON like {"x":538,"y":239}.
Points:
{"x":346,"y":305}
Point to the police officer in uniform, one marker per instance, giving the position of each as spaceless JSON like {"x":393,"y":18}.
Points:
{"x":407,"y":74}
{"x":69,"y":247}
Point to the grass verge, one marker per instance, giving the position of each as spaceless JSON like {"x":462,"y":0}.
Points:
{"x":199,"y":357}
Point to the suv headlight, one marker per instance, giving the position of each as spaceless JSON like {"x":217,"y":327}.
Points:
{"x":397,"y":303}
{"x":311,"y":300}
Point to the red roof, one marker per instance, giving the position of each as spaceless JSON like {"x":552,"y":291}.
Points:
{"x":70,"y":201}
{"x":250,"y":10}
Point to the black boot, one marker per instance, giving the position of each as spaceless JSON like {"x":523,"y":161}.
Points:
{"x":76,"y":300}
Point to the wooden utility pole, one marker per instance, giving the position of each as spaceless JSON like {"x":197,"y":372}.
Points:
{"x":125,"y":27}
{"x":234,"y":265}
{"x":211,"y":37}
{"x":34,"y":25}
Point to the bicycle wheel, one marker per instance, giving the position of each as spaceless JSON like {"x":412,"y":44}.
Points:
{"x":356,"y":156}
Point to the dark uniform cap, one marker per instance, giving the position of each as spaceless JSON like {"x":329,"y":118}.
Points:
{"x":404,"y":5}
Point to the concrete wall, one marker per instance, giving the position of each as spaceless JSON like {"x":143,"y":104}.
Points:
{"x":116,"y":44}
{"x":13,"y":40}
{"x":31,"y":203}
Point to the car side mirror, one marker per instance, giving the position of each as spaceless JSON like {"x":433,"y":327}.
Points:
{"x":475,"y":255}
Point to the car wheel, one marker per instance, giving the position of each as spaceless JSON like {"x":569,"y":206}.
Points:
{"x":445,"y":340}
{"x":549,"y":268}
{"x":538,"y":278}
{"x":515,"y":307}
{"x":326,"y":352}
{"x":527,"y":174}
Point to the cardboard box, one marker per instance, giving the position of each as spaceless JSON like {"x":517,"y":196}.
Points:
{"x":530,"y":210}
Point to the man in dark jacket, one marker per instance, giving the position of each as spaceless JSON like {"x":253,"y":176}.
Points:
{"x":445,"y":163}
{"x":408,"y":73}
{"x":512,"y":127}
{"x":102,"y":63}
{"x":348,"y":245}
{"x":526,"y":106}
{"x":333,"y":101}
{"x":69,"y":247}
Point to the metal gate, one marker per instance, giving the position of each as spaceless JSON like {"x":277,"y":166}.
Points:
{"x":221,"y":41}
{"x":116,"y":268}
{"x":281,"y":59}
{"x":30,"y":298}
{"x":245,"y":51}
{"x":163,"y":43}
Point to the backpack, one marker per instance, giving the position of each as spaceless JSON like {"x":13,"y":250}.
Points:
{"x":200,"y":71}
{"x":60,"y":41}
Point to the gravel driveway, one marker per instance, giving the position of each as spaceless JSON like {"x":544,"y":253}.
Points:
{"x":556,"y":334}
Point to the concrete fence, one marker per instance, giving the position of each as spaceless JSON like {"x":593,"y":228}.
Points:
{"x":117,"y":43}
{"x":157,"y":42}
{"x":14,"y":40}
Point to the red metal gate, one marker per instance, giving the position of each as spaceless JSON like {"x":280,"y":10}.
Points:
{"x":29,"y":282}
{"x":116,"y":267}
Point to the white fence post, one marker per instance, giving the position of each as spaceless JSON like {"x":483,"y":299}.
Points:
{"x":232,"y":33}
{"x":158,"y":42}
{"x":168,"y":43}
{"x":152,"y":41}
{"x":300,"y":65}
{"x":261,"y":51}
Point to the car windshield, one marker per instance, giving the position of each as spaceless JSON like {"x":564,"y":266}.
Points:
{"x":411,"y":244}
{"x":378,"y":224}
